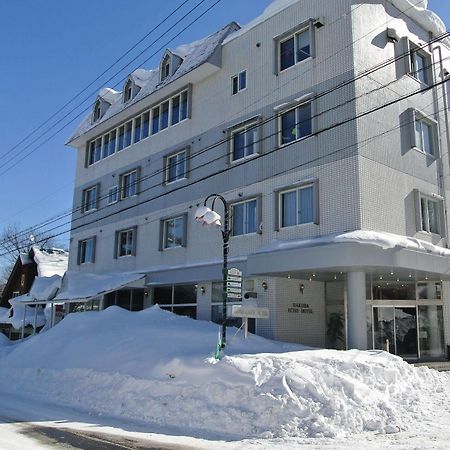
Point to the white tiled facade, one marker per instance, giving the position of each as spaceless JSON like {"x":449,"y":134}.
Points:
{"x":364,"y":171}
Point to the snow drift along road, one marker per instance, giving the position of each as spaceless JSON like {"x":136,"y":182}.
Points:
{"x":154,"y":366}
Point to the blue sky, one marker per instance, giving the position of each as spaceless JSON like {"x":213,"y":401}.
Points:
{"x":51,"y":50}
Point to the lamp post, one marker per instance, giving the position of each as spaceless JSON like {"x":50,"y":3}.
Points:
{"x":207,"y":216}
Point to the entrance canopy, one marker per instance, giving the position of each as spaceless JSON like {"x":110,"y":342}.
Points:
{"x":358,"y":250}
{"x":79,"y":286}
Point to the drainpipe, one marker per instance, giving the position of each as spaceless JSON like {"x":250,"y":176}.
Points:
{"x":442,"y":182}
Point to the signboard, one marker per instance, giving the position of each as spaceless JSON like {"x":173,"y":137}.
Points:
{"x":249,"y":312}
{"x":234,"y":283}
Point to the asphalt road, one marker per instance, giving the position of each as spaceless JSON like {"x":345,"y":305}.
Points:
{"x":66,"y":438}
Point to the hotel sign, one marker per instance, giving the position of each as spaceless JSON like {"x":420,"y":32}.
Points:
{"x":300,"y":308}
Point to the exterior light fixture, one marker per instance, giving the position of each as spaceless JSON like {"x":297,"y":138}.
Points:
{"x":202,"y":289}
{"x":302,"y":288}
{"x":207,"y":216}
{"x":264,"y":285}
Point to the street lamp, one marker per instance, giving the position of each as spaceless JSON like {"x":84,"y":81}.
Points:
{"x":207,"y":216}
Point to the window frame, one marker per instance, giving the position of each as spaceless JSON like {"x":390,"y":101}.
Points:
{"x":415,"y":117}
{"x":295,"y":107}
{"x":135,"y":185}
{"x":167,"y":159}
{"x":237,"y":77}
{"x":133,"y":232}
{"x":112,"y":188}
{"x":163,"y":232}
{"x":85,"y":204}
{"x":411,"y":49}
{"x":254,"y":123}
{"x":124,"y":132}
{"x":258,"y":214}
{"x":305,"y":27}
{"x":422,"y":218}
{"x":82,"y":250}
{"x":314,"y":184}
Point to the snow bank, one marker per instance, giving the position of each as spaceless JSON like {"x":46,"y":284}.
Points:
{"x":154,"y":367}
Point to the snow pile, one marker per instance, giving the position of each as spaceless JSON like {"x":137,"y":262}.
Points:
{"x":154,"y":367}
{"x":377,"y":238}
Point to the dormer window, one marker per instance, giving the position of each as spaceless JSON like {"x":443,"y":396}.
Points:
{"x":97,"y":111}
{"x":165,"y":68}
{"x":128,"y":91}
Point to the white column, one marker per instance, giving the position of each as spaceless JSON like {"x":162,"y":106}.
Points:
{"x":356,"y":311}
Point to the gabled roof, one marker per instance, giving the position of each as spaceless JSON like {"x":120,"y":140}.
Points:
{"x":193,"y":55}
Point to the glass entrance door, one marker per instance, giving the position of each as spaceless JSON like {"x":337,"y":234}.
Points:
{"x":395,"y":330}
{"x":406,"y":332}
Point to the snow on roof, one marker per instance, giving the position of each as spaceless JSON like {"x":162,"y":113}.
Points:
{"x":109,"y":95}
{"x":141,"y":76}
{"x":82,"y":286}
{"x":415,"y":9}
{"x":44,"y":288}
{"x":194,"y":55}
{"x":52,"y":261}
{"x":383,"y":240}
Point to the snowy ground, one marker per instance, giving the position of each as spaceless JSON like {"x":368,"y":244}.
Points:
{"x":120,"y":372}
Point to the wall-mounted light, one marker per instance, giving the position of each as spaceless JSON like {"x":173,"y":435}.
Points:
{"x":202,"y":290}
{"x":302,"y":288}
{"x":264,"y":285}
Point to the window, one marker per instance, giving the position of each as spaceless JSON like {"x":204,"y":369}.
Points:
{"x":174,"y":232}
{"x":243,"y":217}
{"x":179,"y":299}
{"x":425,"y":130}
{"x":244,"y":141}
{"x":239,"y":82}
{"x":113,"y":195}
{"x":145,"y":125}
{"x":121,"y":141}
{"x":126,"y":242}
{"x":130,"y":299}
{"x":128,"y":128}
{"x":296,"y":206}
{"x":111,"y":143}
{"x":176,"y":167}
{"x":430,"y":212}
{"x":165,"y":68}
{"x":128,"y":91}
{"x":128,"y":184}
{"x":97,"y":111}
{"x":295,"y":124}
{"x":166,"y":114}
{"x":86,"y":251}
{"x":137,"y":130}
{"x":420,"y":64}
{"x":295,"y":48}
{"x":90,"y":198}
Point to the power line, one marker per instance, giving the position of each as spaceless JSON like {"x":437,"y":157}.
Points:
{"x":222,"y":171}
{"x":324,"y":93}
{"x":29,"y":153}
{"x":71,"y":100}
{"x":259,"y":124}
{"x":16,"y":155}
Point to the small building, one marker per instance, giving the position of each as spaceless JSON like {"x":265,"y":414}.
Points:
{"x":38,"y":263}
